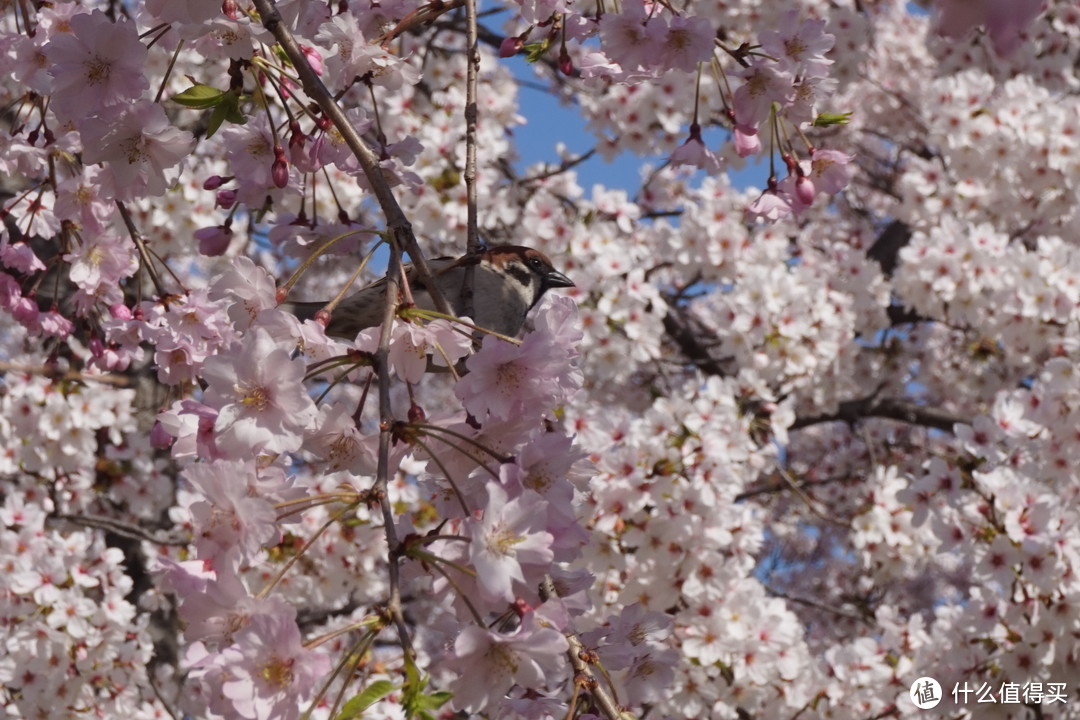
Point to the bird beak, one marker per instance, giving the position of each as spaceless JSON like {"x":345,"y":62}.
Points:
{"x":555,"y":279}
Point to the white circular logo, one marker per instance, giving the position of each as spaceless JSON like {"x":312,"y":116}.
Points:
{"x":925,"y":693}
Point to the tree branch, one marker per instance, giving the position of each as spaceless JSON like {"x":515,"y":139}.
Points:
{"x":577,"y":654}
{"x":396,"y":221}
{"x":690,"y":344}
{"x":852,"y":411}
{"x":472,"y":234}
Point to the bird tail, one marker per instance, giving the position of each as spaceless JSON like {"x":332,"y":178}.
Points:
{"x":303,"y":310}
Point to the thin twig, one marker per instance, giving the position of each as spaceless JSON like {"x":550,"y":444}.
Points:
{"x":369,"y":161}
{"x":783,"y":486}
{"x":54,"y":372}
{"x":806,"y":498}
{"x":818,"y":605}
{"x":577,"y":653}
{"x":386,"y":427}
{"x":140,"y":243}
{"x":472,"y":235}
{"x":562,"y":167}
{"x":118,"y":527}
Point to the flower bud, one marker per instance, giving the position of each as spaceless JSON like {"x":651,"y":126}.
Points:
{"x":566,"y":65}
{"x":279,"y":171}
{"x":160,"y":437}
{"x":214,"y":241}
{"x":25,"y":311}
{"x":120,"y":311}
{"x":314,"y":58}
{"x":510,"y":47}
{"x":804,"y":190}
{"x":225,"y":199}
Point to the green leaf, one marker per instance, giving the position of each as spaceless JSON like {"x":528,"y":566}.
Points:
{"x":227,"y":109}
{"x":827,"y":119}
{"x":200,"y":97}
{"x":535,"y":51}
{"x":372,"y":694}
{"x":434,"y":701}
{"x":216,"y":118}
{"x":414,"y":700}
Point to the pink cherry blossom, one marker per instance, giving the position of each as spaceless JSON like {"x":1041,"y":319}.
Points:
{"x":138,"y":146}
{"x":261,"y":404}
{"x":629,"y":38}
{"x":800,"y":46}
{"x":693,"y":152}
{"x":264,"y":673}
{"x":830,"y":170}
{"x":492,"y":662}
{"x":763,"y":84}
{"x":97,"y":64}
{"x":687,"y":41}
{"x":229,"y":517}
{"x":508,"y":535}
{"x":1004,"y":22}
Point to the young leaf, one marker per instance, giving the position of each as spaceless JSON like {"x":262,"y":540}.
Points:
{"x":199,"y":97}
{"x":372,"y":694}
{"x":827,"y":119}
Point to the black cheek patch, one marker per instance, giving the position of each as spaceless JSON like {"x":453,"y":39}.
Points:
{"x":520,"y":273}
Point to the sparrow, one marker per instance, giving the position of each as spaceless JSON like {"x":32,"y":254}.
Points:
{"x":508,"y":281}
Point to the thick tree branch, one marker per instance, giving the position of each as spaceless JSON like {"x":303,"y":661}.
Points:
{"x":886,"y":248}
{"x":852,"y":411}
{"x":679,"y":330}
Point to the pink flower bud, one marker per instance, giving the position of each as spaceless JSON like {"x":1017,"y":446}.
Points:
{"x":213,"y":182}
{"x":314,"y":58}
{"x":230,"y":9}
{"x":566,"y":65}
{"x":225,"y":199}
{"x":510,"y":46}
{"x":213,"y":241}
{"x":279,"y":171}
{"x":747,"y":141}
{"x":804,"y":190}
{"x":25,"y":311}
{"x":120,"y":311}
{"x":160,"y":437}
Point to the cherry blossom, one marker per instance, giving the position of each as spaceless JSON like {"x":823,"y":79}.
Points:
{"x":137,"y":147}
{"x":261,"y":404}
{"x":96,"y":64}
{"x":496,"y":661}
{"x":507,"y":536}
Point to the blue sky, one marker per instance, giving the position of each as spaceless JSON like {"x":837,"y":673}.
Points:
{"x":548,"y":122}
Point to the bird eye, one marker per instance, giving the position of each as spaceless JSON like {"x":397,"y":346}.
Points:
{"x":535,"y":262}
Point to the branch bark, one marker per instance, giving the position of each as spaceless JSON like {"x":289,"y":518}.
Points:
{"x":396,"y":221}
{"x":851,"y":411}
